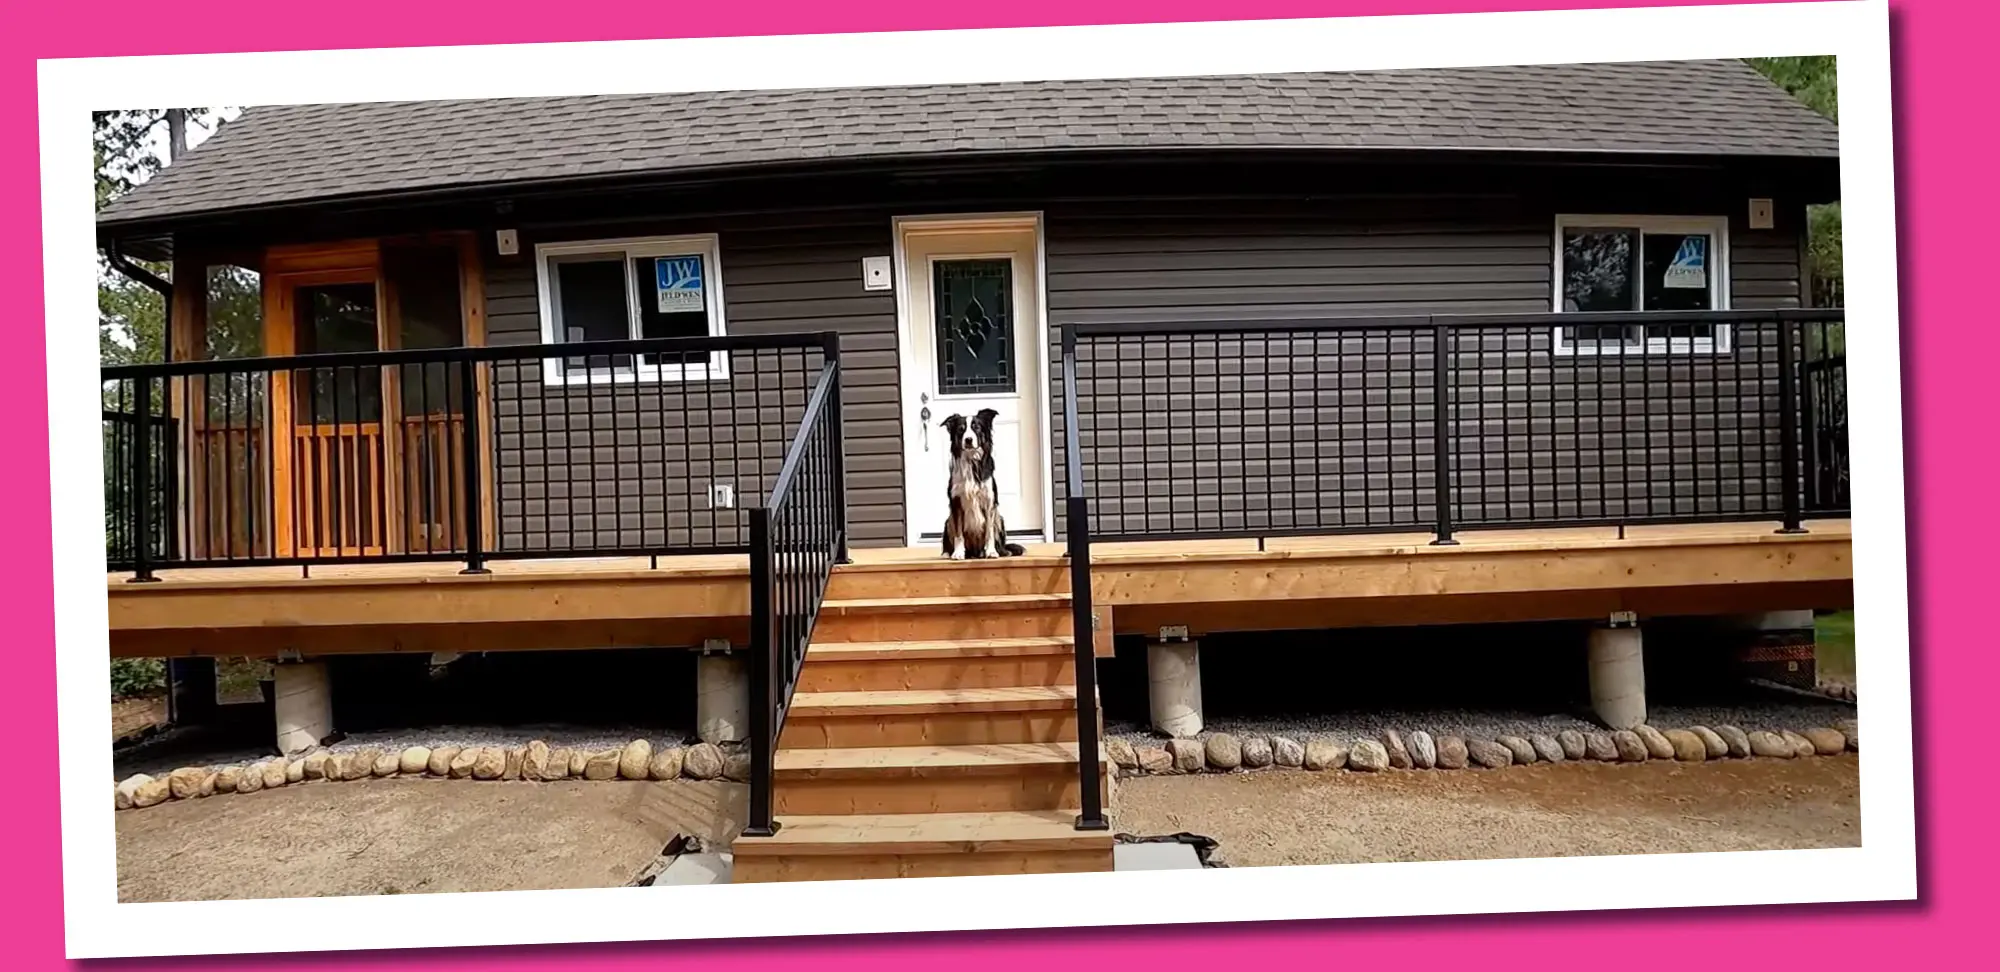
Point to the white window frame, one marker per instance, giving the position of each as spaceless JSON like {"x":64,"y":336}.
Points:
{"x":706,"y":245}
{"x":1717,"y":227}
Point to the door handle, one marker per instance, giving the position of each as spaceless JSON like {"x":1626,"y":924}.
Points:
{"x":924,"y":422}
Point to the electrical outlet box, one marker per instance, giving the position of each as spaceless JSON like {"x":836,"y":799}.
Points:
{"x":1760,"y":214}
{"x":507,"y":241}
{"x":875,"y":273}
{"x":721,"y":496}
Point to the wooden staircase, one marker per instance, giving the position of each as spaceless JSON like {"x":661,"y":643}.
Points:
{"x":933,"y":731}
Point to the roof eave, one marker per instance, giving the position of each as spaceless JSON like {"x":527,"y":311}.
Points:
{"x":137,"y":231}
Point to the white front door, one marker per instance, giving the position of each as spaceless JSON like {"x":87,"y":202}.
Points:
{"x":971,"y":332}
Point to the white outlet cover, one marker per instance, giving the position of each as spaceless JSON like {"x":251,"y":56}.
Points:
{"x":875,"y":273}
{"x":507,"y":241}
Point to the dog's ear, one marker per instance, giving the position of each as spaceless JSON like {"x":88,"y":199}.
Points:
{"x":987,"y":415}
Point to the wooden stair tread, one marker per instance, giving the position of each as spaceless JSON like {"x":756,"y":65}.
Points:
{"x":962,"y":648}
{"x":900,"y":605}
{"x":986,"y":759}
{"x":926,"y":833}
{"x":910,"y":701}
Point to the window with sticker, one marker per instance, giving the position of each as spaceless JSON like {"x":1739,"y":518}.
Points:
{"x":1625,"y":263}
{"x":615,"y":290}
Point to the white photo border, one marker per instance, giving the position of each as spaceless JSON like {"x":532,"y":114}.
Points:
{"x":1884,"y":868}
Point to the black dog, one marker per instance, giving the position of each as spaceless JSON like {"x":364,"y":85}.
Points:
{"x":974,"y":529}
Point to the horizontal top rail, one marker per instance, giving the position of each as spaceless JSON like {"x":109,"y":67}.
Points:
{"x":824,"y":340}
{"x":1421,"y":321}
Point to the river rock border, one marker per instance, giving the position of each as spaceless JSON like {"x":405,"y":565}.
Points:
{"x":534,"y":762}
{"x":1225,"y":753}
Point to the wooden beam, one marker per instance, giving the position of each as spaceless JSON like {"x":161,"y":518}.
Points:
{"x":516,"y":599}
{"x":1207,"y":587}
{"x":1313,"y":615}
{"x":427,"y":638}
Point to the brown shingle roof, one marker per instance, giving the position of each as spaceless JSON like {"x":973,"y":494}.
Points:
{"x":291,"y":154}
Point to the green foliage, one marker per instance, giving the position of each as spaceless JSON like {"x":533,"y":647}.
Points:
{"x":1814,"y":81}
{"x":137,"y":677}
{"x":131,"y":317}
{"x":1809,"y":79}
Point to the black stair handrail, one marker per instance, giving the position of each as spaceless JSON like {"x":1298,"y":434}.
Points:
{"x":796,"y":539}
{"x":1083,"y":617}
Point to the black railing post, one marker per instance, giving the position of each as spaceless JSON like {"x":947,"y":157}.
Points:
{"x":1788,"y":424}
{"x":1083,"y":620}
{"x":475,"y":513}
{"x":763,"y":694}
{"x":839,"y":457}
{"x":142,"y":484}
{"x":1441,"y":474}
{"x":1092,"y":817}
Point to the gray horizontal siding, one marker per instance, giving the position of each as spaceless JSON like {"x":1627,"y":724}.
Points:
{"x":1302,"y":431}
{"x":631,"y":467}
{"x":1327,"y":435}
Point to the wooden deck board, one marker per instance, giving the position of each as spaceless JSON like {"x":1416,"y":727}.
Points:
{"x":926,"y":833}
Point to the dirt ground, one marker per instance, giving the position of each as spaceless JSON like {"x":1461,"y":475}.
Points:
{"x":1573,"y":809}
{"x":132,"y":715}
{"x":411,"y":836}
{"x":399,"y":836}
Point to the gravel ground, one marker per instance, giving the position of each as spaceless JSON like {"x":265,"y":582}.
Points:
{"x":242,"y":745}
{"x":1773,"y":710}
{"x":1573,"y":809}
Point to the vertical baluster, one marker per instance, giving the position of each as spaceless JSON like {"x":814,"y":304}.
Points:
{"x":475,"y":553}
{"x":1788,"y":424}
{"x":1441,"y":467}
{"x":142,"y":517}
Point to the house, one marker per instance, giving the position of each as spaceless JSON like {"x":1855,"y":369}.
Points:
{"x":1285,"y":351}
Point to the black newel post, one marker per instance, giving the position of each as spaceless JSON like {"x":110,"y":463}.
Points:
{"x":763,"y":694}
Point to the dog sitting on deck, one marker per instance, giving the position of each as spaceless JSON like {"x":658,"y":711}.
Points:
{"x":974,"y":529}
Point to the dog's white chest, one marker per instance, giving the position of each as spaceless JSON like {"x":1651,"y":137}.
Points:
{"x":974,"y":496}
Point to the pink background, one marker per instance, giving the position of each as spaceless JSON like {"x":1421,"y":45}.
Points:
{"x":1944,"y":118}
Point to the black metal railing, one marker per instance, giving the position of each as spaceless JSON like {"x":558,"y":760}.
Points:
{"x":1441,"y":423}
{"x":1083,"y":612}
{"x":1823,"y":414}
{"x":124,"y":484}
{"x":796,"y":538}
{"x":610,"y":448}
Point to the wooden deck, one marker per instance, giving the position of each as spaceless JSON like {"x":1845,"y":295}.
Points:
{"x":1206,"y":585}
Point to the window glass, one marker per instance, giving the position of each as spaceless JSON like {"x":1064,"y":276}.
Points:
{"x":1676,"y":279}
{"x":333,"y":319}
{"x":235,"y":312}
{"x":1600,"y":273}
{"x":646,"y":289}
{"x":975,"y":326}
{"x":673,"y":301}
{"x":590,"y":300}
{"x":429,"y":314}
{"x":1627,"y":268}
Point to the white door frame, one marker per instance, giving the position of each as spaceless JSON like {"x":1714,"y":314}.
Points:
{"x":908,"y":366}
